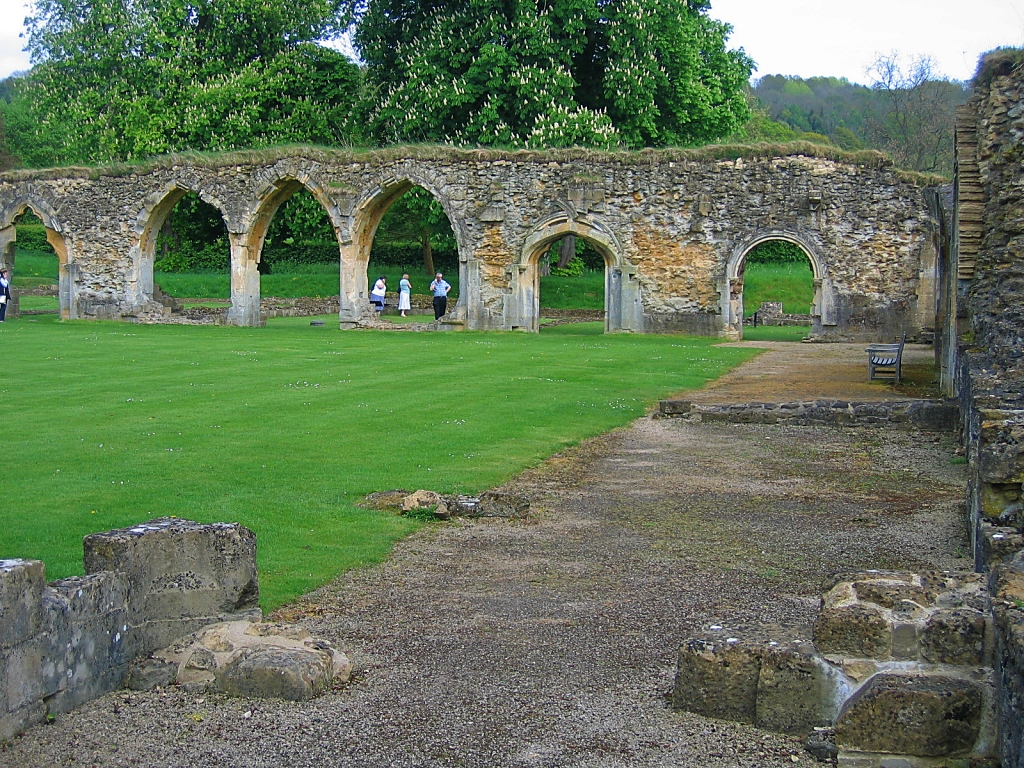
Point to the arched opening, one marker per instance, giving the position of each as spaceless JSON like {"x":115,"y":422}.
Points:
{"x":35,"y":255}
{"x":774,"y":290}
{"x":572,"y":281}
{"x":622,"y":310}
{"x":296,"y":250}
{"x":406,"y":231}
{"x":184,"y":253}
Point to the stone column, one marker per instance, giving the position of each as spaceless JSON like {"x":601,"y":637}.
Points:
{"x":353,"y":298}
{"x":245,"y":286}
{"x":8,"y":247}
{"x":631,"y":309}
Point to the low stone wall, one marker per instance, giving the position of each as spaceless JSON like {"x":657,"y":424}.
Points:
{"x":69,"y":641}
{"x":927,"y":415}
{"x":770,"y":313}
{"x":900,"y":664}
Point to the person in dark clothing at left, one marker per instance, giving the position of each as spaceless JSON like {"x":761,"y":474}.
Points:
{"x":5,"y":294}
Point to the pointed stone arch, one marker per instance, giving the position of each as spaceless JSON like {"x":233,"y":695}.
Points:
{"x":731,"y":286}
{"x":623,"y":309}
{"x":247,"y":245}
{"x":157,"y":206}
{"x":361,"y":227}
{"x":66,"y":269}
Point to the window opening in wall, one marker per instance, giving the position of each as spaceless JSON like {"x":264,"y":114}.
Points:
{"x":414,"y":238}
{"x":777,"y":288}
{"x":572,"y":276}
{"x":192,"y":260}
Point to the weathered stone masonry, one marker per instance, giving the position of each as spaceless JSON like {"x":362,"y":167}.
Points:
{"x":674,"y":227}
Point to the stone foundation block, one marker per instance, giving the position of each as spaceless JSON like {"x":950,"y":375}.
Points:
{"x":497,"y":504}
{"x":279,"y":673}
{"x":793,"y":693}
{"x":954,"y":636}
{"x":21,"y":596}
{"x":718,"y":679}
{"x":184,"y":575}
{"x":261,"y":659}
{"x":853,"y":630}
{"x":929,"y":716}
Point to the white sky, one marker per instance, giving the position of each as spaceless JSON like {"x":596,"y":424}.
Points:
{"x":796,"y":37}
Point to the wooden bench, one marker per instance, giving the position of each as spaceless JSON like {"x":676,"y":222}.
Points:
{"x":886,"y":360}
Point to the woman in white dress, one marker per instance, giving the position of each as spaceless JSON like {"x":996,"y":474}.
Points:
{"x":404,"y":291}
{"x":380,"y":289}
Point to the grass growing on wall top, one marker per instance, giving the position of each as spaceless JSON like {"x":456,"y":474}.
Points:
{"x":284,"y":428}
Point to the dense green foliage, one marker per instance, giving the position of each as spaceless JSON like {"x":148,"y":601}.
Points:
{"x":908,"y":114}
{"x":122,"y":80}
{"x":777,"y":252}
{"x":284,"y":428}
{"x":551,"y":73}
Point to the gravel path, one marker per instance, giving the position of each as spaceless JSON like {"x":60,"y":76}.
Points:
{"x":551,"y":642}
{"x":788,"y":372}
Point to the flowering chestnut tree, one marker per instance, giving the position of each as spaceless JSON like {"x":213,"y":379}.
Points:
{"x":550,"y":73}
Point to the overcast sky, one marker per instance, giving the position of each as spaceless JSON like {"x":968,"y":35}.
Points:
{"x":796,"y":37}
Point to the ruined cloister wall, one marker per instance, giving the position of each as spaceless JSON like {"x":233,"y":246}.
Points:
{"x":674,"y":228}
{"x":982,"y":353}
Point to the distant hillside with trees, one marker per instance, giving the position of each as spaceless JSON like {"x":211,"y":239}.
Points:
{"x":908,"y":113}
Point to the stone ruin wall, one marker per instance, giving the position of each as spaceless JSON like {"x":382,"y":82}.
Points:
{"x":69,"y":641}
{"x":673,"y":228}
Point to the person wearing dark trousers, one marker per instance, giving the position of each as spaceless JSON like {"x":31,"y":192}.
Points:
{"x":440,"y":288}
{"x":5,"y":294}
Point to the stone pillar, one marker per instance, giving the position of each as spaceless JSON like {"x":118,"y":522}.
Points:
{"x":245,"y":286}
{"x":8,"y":247}
{"x":732,"y":308}
{"x":353,"y":299}
{"x":631,"y":310}
{"x":521,"y":305}
{"x":612,"y":299}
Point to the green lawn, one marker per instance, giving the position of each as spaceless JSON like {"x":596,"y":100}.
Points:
{"x":583,"y":292}
{"x":32,"y":268}
{"x":776,"y":332}
{"x":36,"y":303}
{"x":284,"y":428}
{"x":792,"y":284}
{"x":306,"y":280}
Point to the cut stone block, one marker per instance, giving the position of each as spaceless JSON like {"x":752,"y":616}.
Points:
{"x":280,"y":673}
{"x":497,"y":504}
{"x":184,"y":575}
{"x":21,"y":600}
{"x":242,"y":658}
{"x":853,"y":630}
{"x":954,"y":637}
{"x":718,"y":679}
{"x":793,"y":693}
{"x":930,"y":716}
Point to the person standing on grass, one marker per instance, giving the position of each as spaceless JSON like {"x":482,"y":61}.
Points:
{"x":380,"y":289}
{"x":440,"y":288}
{"x":404,"y":292}
{"x":5,"y":294}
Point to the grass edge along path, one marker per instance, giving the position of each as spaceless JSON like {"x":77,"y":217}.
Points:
{"x":285,"y":428}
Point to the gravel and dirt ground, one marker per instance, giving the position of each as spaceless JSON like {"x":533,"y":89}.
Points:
{"x":552,"y":641}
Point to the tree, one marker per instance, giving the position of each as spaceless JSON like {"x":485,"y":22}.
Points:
{"x":417,"y":216}
{"x":124,"y":79}
{"x":917,"y":128}
{"x":550,"y":73}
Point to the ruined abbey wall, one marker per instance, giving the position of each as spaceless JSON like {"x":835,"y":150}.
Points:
{"x":982,"y":353}
{"x":674,"y":228}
